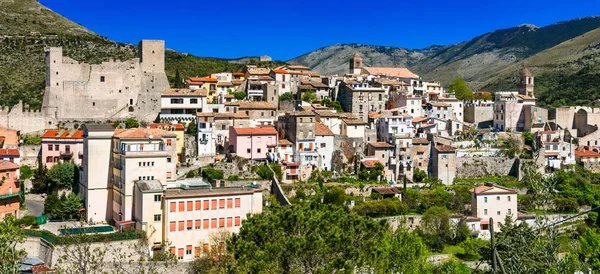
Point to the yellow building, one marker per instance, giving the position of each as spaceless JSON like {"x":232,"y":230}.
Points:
{"x":178,"y":130}
{"x":207,"y":83}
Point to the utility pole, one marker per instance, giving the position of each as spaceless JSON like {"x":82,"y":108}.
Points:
{"x":493,"y":246}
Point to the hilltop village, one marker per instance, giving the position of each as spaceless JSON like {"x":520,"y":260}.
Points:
{"x":183,"y":163}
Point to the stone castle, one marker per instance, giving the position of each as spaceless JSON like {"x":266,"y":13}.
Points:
{"x":96,"y":92}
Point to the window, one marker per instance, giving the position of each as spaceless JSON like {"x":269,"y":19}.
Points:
{"x":229,"y":221}
{"x":485,"y":199}
{"x":222,"y":203}
{"x":180,"y":254}
{"x":206,"y":205}
{"x":229,"y":203}
{"x":157,"y":198}
{"x":198,"y":205}
{"x":188,"y":250}
{"x":238,"y":221}
{"x":213,"y":204}
{"x":509,"y":198}
{"x":206,"y":224}
{"x":237,"y":202}
{"x":258,"y":150}
{"x":323,"y":145}
{"x":56,"y":147}
{"x":189,"y":225}
{"x":50,"y":147}
{"x":157,"y":218}
{"x":193,"y":101}
{"x":498,"y":212}
{"x":172,"y":207}
{"x":172,"y":226}
{"x":190,"y":206}
{"x":509,"y":211}
{"x":380,"y":97}
{"x":49,"y":159}
{"x":176,"y":100}
{"x":169,"y":175}
{"x":221,"y":222}
{"x":497,"y":198}
{"x":181,"y":225}
{"x":485,"y":212}
{"x":168,"y":160}
{"x":198,"y":224}
{"x":213,"y":223}
{"x":181,"y":207}
{"x":102,"y":78}
{"x":248,"y":150}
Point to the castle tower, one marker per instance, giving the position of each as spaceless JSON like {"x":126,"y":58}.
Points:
{"x":152,"y":55}
{"x":525,"y":83}
{"x":356,"y":64}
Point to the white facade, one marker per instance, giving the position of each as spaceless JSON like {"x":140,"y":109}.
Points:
{"x":205,"y":134}
{"x":393,"y":126}
{"x":325,"y":148}
{"x":494,"y":202}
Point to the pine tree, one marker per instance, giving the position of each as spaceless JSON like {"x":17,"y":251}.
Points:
{"x":178,"y":82}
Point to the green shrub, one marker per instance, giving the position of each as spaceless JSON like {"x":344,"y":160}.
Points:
{"x":212,"y":174}
{"x":26,"y":172}
{"x":27,"y":220}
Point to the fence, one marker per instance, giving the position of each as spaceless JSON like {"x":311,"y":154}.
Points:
{"x":93,"y":238}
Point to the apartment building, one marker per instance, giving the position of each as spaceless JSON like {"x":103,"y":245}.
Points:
{"x":324,"y":142}
{"x":253,"y":143}
{"x":360,"y":99}
{"x":179,"y":130}
{"x":182,"y":104}
{"x":10,"y":189}
{"x":61,"y":146}
{"x":493,"y":201}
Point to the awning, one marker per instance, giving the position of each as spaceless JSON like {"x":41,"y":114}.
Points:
{"x":485,"y":222}
{"x":125,"y":222}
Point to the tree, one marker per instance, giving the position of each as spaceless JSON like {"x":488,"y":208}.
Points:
{"x":239,"y":95}
{"x":178,"y":81}
{"x":316,"y":238}
{"x":335,"y":196}
{"x":71,"y":205}
{"x":452,"y":267}
{"x":286,"y":97}
{"x":309,"y":96}
{"x":212,"y":174}
{"x":436,"y":221}
{"x":217,"y":259}
{"x":131,"y":123}
{"x":191,"y":128}
{"x":265,"y":173}
{"x":528,"y":137}
{"x":10,"y":235}
{"x":63,"y":175}
{"x":419,"y":175}
{"x":458,"y":86}
{"x":590,"y":248}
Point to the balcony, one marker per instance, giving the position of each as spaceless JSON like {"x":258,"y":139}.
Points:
{"x":66,"y":154}
{"x":12,"y":195}
{"x":203,"y":142}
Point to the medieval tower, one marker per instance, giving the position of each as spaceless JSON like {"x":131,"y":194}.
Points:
{"x":525,"y":83}
{"x":356,"y":64}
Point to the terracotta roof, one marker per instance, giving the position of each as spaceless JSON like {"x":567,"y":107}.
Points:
{"x":495,"y":189}
{"x":351,"y":82}
{"x":290,"y":164}
{"x":237,"y":82}
{"x":163,"y":126}
{"x":258,"y":71}
{"x":142,"y":133}
{"x":238,"y":74}
{"x":255,"y":131}
{"x":322,"y":130}
{"x":228,"y":96}
{"x":586,"y":153}
{"x":180,"y":92}
{"x":420,"y":119}
{"x":225,"y":84}
{"x":6,"y":165}
{"x":62,"y":134}
{"x":265,"y":78}
{"x":203,"y":79}
{"x":381,"y":145}
{"x":305,"y":87}
{"x":386,"y":190}
{"x":205,"y":114}
{"x":439,"y":104}
{"x":393,"y":72}
{"x":420,"y":141}
{"x":257,"y":105}
{"x":9,"y":152}
{"x":445,"y":148}
{"x":327,"y":113}
{"x":354,"y":122}
{"x":280,"y":71}
{"x":256,"y":83}
{"x":370,"y":163}
{"x":285,"y":142}
{"x":301,"y":113}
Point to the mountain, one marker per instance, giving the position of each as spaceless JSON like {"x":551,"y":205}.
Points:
{"x":27,"y":28}
{"x":478,"y":60}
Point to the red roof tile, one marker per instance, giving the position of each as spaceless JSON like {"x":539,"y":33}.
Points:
{"x":370,"y":163}
{"x":445,"y":148}
{"x":62,"y":134}
{"x":163,"y":126}
{"x":381,"y":145}
{"x":9,"y":152}
{"x":586,"y":153}
{"x":280,"y":71}
{"x":142,"y":133}
{"x":322,"y":130}
{"x":6,"y":165}
{"x":256,"y":131}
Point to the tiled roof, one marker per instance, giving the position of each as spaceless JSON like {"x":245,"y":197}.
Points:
{"x":163,"y":126}
{"x":6,"y":165}
{"x":420,"y":119}
{"x":257,"y":105}
{"x":9,"y":152}
{"x":237,"y":82}
{"x":203,"y":79}
{"x":302,"y":113}
{"x":445,"y":148}
{"x":285,"y":142}
{"x":62,"y":134}
{"x":265,"y":78}
{"x":439,"y":104}
{"x":495,"y":189}
{"x":322,"y":130}
{"x":225,"y":84}
{"x":256,"y":131}
{"x":327,"y":113}
{"x":370,"y":163}
{"x":354,"y":122}
{"x":238,"y":74}
{"x":238,"y":115}
{"x":258,"y":71}
{"x":393,"y":72}
{"x":525,"y":72}
{"x":180,"y":92}
{"x":386,"y":190}
{"x":420,"y":141}
{"x":381,"y":145}
{"x":142,"y":133}
{"x":280,"y":71}
{"x":586,"y":153}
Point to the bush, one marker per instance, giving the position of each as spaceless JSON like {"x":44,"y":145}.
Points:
{"x":212,"y":174}
{"x":191,"y":174}
{"x":26,"y":172}
{"x":27,"y":220}
{"x":131,"y":123}
{"x":473,"y":249}
{"x":233,"y":178}
{"x":385,"y":207}
{"x":35,"y":225}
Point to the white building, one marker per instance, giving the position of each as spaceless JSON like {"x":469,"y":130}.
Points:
{"x":325,"y":145}
{"x":494,"y":202}
{"x":207,"y":140}
{"x":393,"y":125}
{"x":182,"y":104}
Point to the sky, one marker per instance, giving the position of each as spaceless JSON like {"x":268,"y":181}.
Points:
{"x":286,"y":29}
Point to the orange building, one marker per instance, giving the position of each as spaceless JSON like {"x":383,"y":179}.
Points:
{"x":10,"y":192}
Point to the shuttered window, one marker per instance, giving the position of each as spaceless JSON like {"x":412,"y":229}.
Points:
{"x":197,"y":251}
{"x":206,"y":205}
{"x":172,"y":226}
{"x":238,"y":202}
{"x":222,"y":203}
{"x":213,"y":223}
{"x":190,"y":224}
{"x":181,"y":225}
{"x":190,"y":206}
{"x":229,"y":221}
{"x":238,"y":221}
{"x":213,"y":204}
{"x":172,"y":250}
{"x":198,"y":205}
{"x":206,"y":224}
{"x":229,"y":203}
{"x":180,"y":253}
{"x":173,"y":207}
{"x":198,"y":224}
{"x":221,"y":222}
{"x":181,"y":206}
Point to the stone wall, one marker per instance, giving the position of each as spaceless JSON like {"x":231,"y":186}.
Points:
{"x":478,"y":114}
{"x":30,"y":155}
{"x":477,"y":167}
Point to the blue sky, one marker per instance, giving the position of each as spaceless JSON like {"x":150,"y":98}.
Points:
{"x":288,"y":28}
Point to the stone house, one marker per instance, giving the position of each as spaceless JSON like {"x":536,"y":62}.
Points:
{"x":443,"y":164}
{"x":385,"y":153}
{"x":360,"y":99}
{"x":259,"y":113}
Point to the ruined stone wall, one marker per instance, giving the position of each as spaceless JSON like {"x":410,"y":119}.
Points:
{"x":477,"y":167}
{"x":478,"y":114}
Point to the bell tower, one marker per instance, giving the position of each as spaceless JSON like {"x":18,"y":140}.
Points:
{"x":356,"y":64}
{"x":525,"y":83}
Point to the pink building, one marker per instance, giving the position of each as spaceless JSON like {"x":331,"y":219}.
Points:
{"x":253,"y":143}
{"x":62,"y":145}
{"x":10,"y":192}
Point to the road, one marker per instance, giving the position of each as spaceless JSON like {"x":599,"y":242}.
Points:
{"x":35,"y":207}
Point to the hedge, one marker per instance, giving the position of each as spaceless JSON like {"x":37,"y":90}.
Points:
{"x":93,"y":238}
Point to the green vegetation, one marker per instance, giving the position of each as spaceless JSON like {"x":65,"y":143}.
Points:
{"x":132,"y":123}
{"x":31,"y":139}
{"x":309,"y":96}
{"x":506,"y":181}
{"x":287,"y":97}
{"x":266,"y":174}
{"x":460,"y":89}
{"x":323,"y":239}
{"x":92,"y":238}
{"x":191,"y":128}
{"x":333,"y":104}
{"x":240,"y":95}
{"x":384,"y":207}
{"x":26,"y":172}
{"x":212,"y":174}
{"x":372,"y":174}
{"x":63,"y":175}
{"x":64,"y":208}
{"x":10,"y":235}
